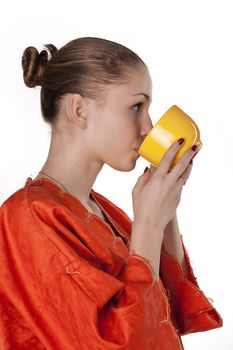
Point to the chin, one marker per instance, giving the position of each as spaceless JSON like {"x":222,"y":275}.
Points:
{"x":125,"y":164}
{"x":129,"y":166}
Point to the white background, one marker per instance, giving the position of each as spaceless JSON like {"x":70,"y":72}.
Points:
{"x":187,"y":46}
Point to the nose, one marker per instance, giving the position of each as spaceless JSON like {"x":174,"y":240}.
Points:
{"x":148,"y":125}
{"x":151,"y":124}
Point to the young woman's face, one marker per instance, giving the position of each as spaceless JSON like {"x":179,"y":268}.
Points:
{"x":119,"y":125}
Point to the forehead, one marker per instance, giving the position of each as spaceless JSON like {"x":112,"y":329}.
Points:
{"x":138,"y":82}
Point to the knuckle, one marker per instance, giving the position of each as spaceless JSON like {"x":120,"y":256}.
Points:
{"x":184,"y":160}
{"x":186,"y":157}
{"x":159,"y":178}
{"x":167,"y":158}
{"x":174,"y":147}
{"x":167,"y":185}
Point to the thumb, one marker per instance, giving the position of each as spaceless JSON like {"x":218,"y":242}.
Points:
{"x":142,"y":180}
{"x":146,"y":172}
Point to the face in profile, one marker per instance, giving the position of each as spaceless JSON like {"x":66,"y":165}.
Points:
{"x":121,"y":122}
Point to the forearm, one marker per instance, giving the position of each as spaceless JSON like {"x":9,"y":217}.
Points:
{"x":146,"y":242}
{"x":173,"y":244}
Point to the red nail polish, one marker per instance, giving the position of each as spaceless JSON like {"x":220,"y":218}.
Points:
{"x":194,"y":147}
{"x":180,"y":141}
{"x":145,"y":169}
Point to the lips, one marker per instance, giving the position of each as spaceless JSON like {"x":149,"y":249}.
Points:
{"x":137,"y":148}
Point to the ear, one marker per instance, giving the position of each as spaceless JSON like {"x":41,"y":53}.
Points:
{"x":76,"y":110}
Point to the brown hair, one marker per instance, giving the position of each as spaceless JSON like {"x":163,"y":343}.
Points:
{"x":82,"y":66}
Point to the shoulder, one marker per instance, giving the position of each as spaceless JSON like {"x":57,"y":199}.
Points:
{"x":15,"y":203}
{"x":26,"y":204}
{"x":20,"y":199}
{"x":33,"y":221}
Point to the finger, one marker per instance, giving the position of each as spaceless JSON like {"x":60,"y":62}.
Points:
{"x":183,"y":163}
{"x":187,"y":172}
{"x":184,"y":177}
{"x":153,"y":168}
{"x":168,"y":157}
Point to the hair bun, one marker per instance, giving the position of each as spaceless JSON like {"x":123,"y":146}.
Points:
{"x":34,"y":64}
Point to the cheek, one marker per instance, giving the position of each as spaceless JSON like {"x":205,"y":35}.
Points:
{"x":117,"y":131}
{"x":102,"y":138}
{"x":126,"y":134}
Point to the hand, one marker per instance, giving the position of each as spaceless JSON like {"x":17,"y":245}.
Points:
{"x":157,"y":192}
{"x":185,"y":174}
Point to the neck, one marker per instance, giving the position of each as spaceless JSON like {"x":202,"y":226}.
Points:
{"x":72,"y":164}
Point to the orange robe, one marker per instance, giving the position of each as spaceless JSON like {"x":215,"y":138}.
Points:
{"x":68,"y":283}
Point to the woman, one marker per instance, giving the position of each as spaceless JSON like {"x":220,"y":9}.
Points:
{"x":78,"y":274}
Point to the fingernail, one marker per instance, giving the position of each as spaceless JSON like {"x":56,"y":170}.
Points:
{"x":194,"y":147}
{"x":145,"y":169}
{"x":180,"y":141}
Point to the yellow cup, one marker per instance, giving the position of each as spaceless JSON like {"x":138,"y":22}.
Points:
{"x":173,"y":125}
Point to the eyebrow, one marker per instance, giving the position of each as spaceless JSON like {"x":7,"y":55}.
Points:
{"x":145,"y":95}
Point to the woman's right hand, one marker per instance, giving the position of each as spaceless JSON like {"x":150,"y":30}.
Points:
{"x":157,"y":195}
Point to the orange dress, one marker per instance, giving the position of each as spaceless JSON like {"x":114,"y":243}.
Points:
{"x":68,"y":283}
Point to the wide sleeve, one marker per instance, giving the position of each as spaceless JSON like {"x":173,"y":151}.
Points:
{"x":191,"y":310}
{"x":67,"y":302}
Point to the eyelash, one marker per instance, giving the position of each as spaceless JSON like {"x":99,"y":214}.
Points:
{"x":138,"y":104}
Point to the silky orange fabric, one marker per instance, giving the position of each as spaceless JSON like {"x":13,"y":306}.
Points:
{"x":68,"y":282}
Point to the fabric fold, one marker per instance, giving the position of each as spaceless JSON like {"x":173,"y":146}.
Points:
{"x":68,"y":282}
{"x":61,"y":299}
{"x":191,"y":309}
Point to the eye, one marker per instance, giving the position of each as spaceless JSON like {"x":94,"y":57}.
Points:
{"x":138,"y":105}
